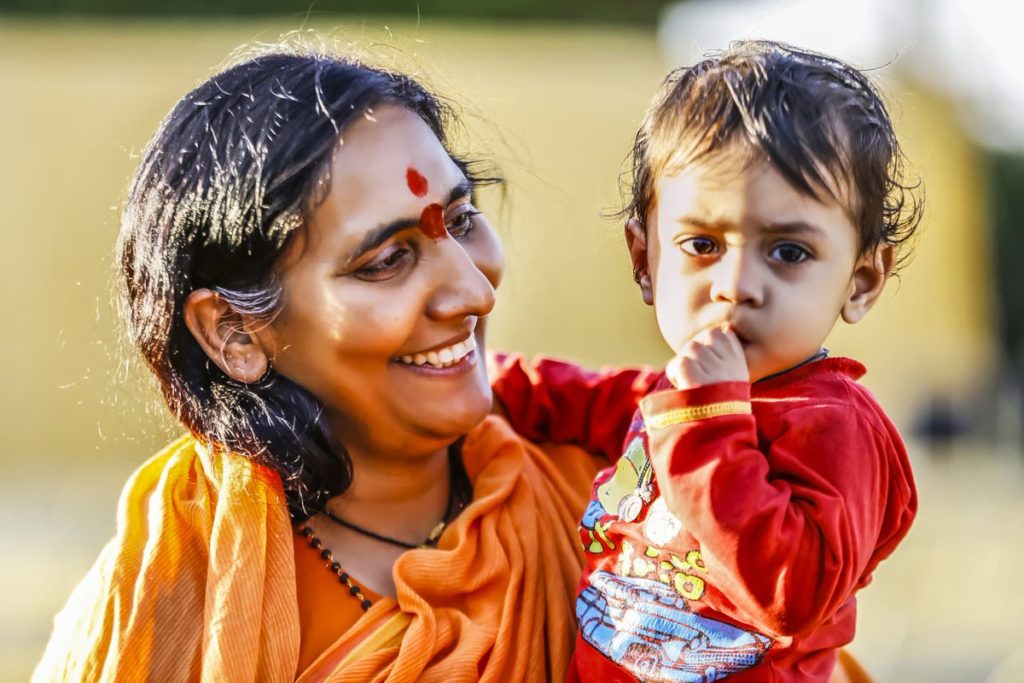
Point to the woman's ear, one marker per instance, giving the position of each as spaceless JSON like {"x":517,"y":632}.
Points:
{"x":636,"y":242}
{"x":226,"y":336}
{"x":870,"y":274}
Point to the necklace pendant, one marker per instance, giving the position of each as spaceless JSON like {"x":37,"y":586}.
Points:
{"x":435,"y":534}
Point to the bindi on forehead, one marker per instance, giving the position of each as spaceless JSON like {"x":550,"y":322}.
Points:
{"x":432,"y":219}
{"x":418,"y":184}
{"x":432,"y":222}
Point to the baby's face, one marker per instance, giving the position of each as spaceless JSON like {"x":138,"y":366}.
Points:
{"x":731,"y":242}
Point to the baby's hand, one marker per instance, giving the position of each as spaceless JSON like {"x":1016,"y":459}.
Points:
{"x":714,"y":355}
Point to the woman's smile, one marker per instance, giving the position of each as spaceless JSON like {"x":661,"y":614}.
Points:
{"x":448,"y":355}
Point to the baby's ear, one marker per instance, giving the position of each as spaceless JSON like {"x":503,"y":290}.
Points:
{"x":636,"y":242}
{"x":226,"y":336}
{"x":870,"y":274}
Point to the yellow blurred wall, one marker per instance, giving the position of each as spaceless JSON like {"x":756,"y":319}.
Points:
{"x":933,"y":330}
{"x":557,"y":106}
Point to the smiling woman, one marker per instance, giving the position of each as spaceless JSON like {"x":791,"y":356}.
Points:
{"x":306,"y":273}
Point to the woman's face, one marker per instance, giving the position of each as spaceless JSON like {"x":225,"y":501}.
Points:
{"x":386,"y":292}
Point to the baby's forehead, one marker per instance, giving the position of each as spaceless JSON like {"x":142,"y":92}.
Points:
{"x":731,"y":167}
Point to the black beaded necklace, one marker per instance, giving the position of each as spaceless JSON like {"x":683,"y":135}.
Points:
{"x":435,"y":533}
{"x":460,"y":492}
{"x":335,"y":568}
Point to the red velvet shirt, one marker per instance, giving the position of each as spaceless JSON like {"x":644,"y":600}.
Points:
{"x":730,"y":537}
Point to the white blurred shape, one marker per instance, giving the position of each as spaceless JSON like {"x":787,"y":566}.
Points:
{"x":974,"y":51}
{"x":971,"y":50}
{"x":859,"y":32}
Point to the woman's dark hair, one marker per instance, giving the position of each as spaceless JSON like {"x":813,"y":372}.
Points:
{"x":819,"y":121}
{"x":231,"y":174}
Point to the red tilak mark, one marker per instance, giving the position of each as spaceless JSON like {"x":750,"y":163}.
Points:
{"x":418,"y":185}
{"x":432,"y":222}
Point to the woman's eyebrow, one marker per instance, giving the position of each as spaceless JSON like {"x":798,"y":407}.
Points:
{"x":381,"y":234}
{"x":463,"y":188}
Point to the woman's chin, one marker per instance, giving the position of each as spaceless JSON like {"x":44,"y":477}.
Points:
{"x":459,"y":419}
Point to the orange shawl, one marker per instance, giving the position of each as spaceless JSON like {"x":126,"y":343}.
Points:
{"x":199,"y":581}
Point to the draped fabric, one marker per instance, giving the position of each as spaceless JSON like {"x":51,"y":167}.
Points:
{"x":199,"y":581}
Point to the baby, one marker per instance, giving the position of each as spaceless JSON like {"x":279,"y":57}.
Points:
{"x":759,"y":485}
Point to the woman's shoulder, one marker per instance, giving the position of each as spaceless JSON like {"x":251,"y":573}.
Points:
{"x":191,"y":521}
{"x":219,"y":465}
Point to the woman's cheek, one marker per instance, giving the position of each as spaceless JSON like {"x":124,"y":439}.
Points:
{"x":381,"y":322}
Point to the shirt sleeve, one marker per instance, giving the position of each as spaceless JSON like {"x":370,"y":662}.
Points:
{"x":552,"y":400}
{"x":787,"y":526}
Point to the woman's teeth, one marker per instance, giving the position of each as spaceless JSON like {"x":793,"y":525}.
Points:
{"x":450,"y":355}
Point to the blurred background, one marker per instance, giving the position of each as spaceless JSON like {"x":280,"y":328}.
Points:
{"x":553,"y":90}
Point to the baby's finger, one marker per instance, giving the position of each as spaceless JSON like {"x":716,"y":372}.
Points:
{"x":720,"y":342}
{"x":731,"y":341}
{"x":708,"y":337}
{"x":687,"y":369}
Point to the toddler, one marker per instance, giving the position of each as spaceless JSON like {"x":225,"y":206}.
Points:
{"x":759,"y":485}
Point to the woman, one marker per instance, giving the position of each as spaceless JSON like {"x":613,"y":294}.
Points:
{"x":306,"y":274}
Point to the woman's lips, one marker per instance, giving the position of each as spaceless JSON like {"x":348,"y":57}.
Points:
{"x":441,"y":358}
{"x":465,"y":364}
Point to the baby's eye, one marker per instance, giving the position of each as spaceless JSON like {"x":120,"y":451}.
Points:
{"x":462,"y":223}
{"x":386,"y":265}
{"x":699,"y":246}
{"x":789,"y":253}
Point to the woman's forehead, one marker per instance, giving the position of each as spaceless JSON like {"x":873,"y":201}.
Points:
{"x":387,"y":167}
{"x":387,"y":134}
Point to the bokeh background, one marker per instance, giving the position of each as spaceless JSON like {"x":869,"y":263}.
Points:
{"x":553,"y":91}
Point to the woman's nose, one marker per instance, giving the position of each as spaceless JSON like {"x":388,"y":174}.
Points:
{"x":737,"y":279}
{"x":463,"y":287}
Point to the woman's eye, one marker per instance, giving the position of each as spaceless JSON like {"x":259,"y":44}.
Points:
{"x":699,"y":246}
{"x":386,"y":265}
{"x":463,"y":222}
{"x":789,"y":253}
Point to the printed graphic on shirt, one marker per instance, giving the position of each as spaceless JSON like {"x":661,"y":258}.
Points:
{"x":646,"y":628}
{"x":683,"y":572}
{"x":629,"y":487}
{"x":622,"y":496}
{"x":661,"y":526}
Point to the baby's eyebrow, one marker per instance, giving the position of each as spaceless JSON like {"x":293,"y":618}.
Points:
{"x":793,"y":228}
{"x":704,"y":223}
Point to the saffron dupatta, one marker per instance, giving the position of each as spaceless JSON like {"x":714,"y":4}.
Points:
{"x":199,"y":581}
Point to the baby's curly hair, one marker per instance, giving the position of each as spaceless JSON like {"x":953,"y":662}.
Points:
{"x":818,"y":120}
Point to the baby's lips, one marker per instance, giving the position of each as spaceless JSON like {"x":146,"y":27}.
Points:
{"x":726,"y":326}
{"x":730,"y":327}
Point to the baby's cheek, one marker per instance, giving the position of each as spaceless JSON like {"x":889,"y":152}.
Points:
{"x":674,"y":329}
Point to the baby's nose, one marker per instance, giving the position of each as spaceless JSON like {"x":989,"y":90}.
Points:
{"x":738,"y":279}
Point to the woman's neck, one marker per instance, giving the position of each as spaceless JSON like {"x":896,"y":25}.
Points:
{"x":403,"y":498}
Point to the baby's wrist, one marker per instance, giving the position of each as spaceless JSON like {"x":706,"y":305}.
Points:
{"x":675,"y":406}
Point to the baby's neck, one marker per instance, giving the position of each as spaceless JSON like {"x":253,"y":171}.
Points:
{"x":822,"y":353}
